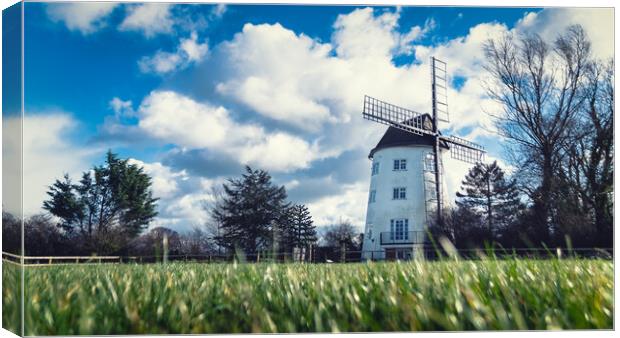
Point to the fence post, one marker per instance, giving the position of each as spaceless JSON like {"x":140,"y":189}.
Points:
{"x":165,"y":247}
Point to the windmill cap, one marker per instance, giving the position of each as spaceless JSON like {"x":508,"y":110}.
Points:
{"x":395,"y":137}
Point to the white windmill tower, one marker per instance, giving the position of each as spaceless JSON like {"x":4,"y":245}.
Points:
{"x":406,"y":186}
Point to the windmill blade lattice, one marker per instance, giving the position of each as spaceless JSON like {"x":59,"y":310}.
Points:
{"x":391,"y":115}
{"x":439,"y":78}
{"x":464,"y":150}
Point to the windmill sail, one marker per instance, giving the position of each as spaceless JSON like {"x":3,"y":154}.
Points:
{"x":464,"y":150}
{"x":395,"y":116}
{"x":439,"y":78}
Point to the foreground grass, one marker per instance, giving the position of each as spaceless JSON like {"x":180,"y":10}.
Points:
{"x":200,"y":298}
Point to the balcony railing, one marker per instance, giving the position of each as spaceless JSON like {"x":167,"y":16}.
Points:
{"x":410,"y":237}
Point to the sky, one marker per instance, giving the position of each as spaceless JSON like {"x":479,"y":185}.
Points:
{"x":193,"y":93}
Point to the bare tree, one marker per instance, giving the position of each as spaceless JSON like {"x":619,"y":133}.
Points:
{"x":539,"y":85}
{"x":197,"y":242}
{"x":343,"y":233}
{"x":589,"y":167}
{"x":212,"y":227}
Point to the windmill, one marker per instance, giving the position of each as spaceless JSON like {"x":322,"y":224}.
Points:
{"x":414,"y":123}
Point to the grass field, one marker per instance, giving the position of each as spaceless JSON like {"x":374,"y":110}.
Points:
{"x":397,"y":296}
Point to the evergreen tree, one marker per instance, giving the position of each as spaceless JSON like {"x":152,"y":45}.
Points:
{"x":490,"y":196}
{"x":297,"y":230}
{"x":248,"y":211}
{"x":110,"y":205}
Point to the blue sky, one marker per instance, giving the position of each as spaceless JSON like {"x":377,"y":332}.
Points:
{"x":194,"y":92}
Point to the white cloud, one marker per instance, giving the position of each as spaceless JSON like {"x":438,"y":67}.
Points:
{"x":597,"y":22}
{"x":183,"y":212}
{"x":415,"y":34}
{"x":361,"y":34}
{"x":164,"y":179}
{"x":277,"y":151}
{"x":150,"y":19}
{"x":121,"y":108}
{"x":181,"y":197}
{"x":161,"y":63}
{"x":179,"y":120}
{"x":349,"y":205}
{"x":86,"y":18}
{"x":218,"y":11}
{"x":299,"y":81}
{"x":189,"y":51}
{"x":269,"y":61}
{"x":11,"y":164}
{"x":47,"y":156}
{"x":306,"y":83}
{"x":193,"y":50}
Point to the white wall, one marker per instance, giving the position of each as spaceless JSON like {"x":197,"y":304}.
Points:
{"x":385,"y":208}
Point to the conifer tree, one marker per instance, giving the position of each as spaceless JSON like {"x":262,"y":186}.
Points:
{"x":248,"y":211}
{"x":298,"y":229}
{"x":488,"y":194}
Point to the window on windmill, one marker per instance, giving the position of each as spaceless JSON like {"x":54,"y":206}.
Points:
{"x":375,"y":168}
{"x":399,"y":229}
{"x":399,"y":193}
{"x":429,"y":162}
{"x":372,"y":196}
{"x":400,"y":164}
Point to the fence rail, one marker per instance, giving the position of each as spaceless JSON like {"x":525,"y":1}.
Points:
{"x":325,"y":256}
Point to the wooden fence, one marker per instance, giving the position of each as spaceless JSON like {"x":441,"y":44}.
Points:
{"x":318,"y":257}
{"x":50,"y":260}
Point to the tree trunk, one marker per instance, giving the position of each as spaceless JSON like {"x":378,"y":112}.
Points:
{"x":543,"y":205}
{"x":602,"y":221}
{"x":489,"y":210}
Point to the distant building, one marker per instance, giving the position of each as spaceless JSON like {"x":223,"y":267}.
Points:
{"x":402,"y":194}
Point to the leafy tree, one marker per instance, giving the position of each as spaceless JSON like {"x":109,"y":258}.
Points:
{"x":491,"y":197}
{"x":248,"y":210}
{"x":110,"y":205}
